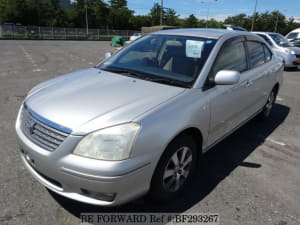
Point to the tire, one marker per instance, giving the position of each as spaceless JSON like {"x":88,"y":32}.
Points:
{"x":267,"y":109}
{"x":174,"y":169}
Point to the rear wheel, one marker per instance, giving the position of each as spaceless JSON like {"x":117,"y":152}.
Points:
{"x":265,"y":113}
{"x":174,"y":169}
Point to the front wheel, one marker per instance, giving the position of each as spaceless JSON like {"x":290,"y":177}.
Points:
{"x":174,"y":169}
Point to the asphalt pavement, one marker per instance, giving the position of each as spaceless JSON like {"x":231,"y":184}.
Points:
{"x":251,"y":178}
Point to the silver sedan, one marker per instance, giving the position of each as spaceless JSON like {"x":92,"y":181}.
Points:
{"x":138,"y":121}
{"x":282,"y":47}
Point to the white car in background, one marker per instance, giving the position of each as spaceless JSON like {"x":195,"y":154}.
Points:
{"x":134,"y":37}
{"x":293,"y":35}
{"x":282,"y":47}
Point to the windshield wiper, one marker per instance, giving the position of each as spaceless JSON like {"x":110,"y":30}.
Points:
{"x":130,"y":73}
{"x":171,"y":82}
{"x":125,"y":72}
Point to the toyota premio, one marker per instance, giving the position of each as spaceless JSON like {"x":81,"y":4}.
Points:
{"x":136,"y":123}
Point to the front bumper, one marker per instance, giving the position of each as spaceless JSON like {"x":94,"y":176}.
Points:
{"x":297,"y":61}
{"x":72,"y":176}
{"x":292,"y":60}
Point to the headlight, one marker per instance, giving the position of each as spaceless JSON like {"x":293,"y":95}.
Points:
{"x":290,"y":51}
{"x":112,"y":143}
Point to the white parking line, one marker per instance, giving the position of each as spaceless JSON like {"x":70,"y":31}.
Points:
{"x":279,"y":99}
{"x":31,"y":60}
{"x":276,"y":142}
{"x":272,"y":140}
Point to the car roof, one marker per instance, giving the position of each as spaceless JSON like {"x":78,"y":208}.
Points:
{"x":200,"y":32}
{"x":262,"y":32}
{"x":296,"y":30}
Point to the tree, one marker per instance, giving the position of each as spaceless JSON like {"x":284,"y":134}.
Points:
{"x":191,"y":21}
{"x":98,"y":13}
{"x":119,"y":18}
{"x":155,"y":12}
{"x":212,"y":23}
{"x":118,"y":3}
{"x":290,"y":25}
{"x":140,"y":21}
{"x":170,"y":17}
{"x":54,"y":14}
{"x":240,"y":20}
{"x":8,"y":11}
{"x":264,"y":22}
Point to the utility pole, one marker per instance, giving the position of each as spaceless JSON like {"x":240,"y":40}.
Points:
{"x":208,"y":9}
{"x":276,"y":23}
{"x":206,"y":25}
{"x":161,"y":11}
{"x":277,"y":18}
{"x":86,"y":19}
{"x":254,"y":15}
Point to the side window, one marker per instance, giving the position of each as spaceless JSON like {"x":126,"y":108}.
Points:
{"x":231,"y":57}
{"x":292,"y":35}
{"x":268,"y":53}
{"x":256,"y":53}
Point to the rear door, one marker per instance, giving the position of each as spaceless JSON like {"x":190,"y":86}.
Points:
{"x":260,"y":70}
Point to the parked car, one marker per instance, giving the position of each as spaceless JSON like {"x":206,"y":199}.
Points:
{"x":134,"y":37}
{"x":281,"y":46}
{"x":294,"y":34}
{"x":233,"y":27}
{"x":296,"y":42}
{"x":137,"y":122}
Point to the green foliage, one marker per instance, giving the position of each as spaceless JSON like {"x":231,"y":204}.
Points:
{"x":120,"y":18}
{"x":191,"y":21}
{"x":116,"y":15}
{"x":264,"y":22}
{"x":97,"y":11}
{"x":155,"y":14}
{"x":212,"y":23}
{"x":139,"y":21}
{"x":118,"y":3}
{"x":170,"y":17}
{"x":241,"y":20}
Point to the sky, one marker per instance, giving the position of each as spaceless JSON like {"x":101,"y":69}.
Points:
{"x":219,"y":9}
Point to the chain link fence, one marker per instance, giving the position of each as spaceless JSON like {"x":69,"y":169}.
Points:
{"x":60,"y":33}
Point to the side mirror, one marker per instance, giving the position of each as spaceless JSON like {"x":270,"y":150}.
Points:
{"x":107,"y":55}
{"x":227,"y":77}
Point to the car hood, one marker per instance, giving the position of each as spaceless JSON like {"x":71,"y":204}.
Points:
{"x":93,"y":99}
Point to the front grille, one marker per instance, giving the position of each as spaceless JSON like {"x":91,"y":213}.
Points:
{"x":42,"y":134}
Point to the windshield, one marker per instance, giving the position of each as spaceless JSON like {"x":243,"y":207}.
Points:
{"x":174,"y":60}
{"x":281,"y":41}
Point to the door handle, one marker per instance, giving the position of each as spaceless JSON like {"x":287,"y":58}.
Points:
{"x":248,"y":83}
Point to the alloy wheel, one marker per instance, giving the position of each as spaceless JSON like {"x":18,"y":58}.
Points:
{"x":177,"y":169}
